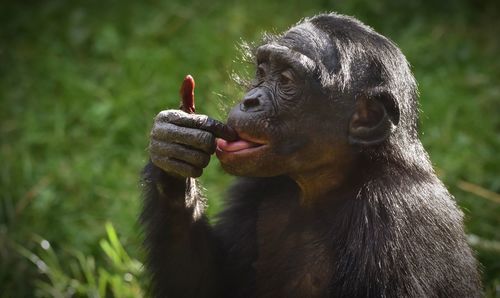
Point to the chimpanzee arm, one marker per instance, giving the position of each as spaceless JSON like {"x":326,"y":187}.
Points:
{"x":182,"y":252}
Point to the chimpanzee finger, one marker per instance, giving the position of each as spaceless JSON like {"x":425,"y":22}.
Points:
{"x":180,"y":152}
{"x":176,"y":167}
{"x":220,"y":129}
{"x":194,"y":138}
{"x":204,"y":122}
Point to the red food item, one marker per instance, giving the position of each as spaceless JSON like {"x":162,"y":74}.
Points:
{"x":187,"y":95}
{"x":218,"y":128}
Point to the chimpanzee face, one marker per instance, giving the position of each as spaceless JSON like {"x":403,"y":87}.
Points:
{"x":287,"y":121}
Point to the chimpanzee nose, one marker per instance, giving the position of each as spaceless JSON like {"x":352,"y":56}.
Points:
{"x":252,"y":101}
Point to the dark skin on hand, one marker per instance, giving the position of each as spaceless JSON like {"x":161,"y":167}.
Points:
{"x":335,"y":196}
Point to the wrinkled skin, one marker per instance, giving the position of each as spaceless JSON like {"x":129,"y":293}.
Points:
{"x":336,"y":195}
{"x":178,"y":146}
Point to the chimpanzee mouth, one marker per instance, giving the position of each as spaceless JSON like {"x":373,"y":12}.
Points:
{"x":239,"y":146}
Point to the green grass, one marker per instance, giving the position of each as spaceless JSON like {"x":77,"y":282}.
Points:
{"x":81,"y":81}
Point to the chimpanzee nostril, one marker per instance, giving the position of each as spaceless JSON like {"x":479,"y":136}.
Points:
{"x":255,"y":100}
{"x":252,"y":101}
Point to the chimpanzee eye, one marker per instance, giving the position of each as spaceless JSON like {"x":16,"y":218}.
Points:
{"x":287,"y":88}
{"x":286,"y":77}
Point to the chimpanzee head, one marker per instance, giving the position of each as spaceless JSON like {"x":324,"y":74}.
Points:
{"x":325,"y":93}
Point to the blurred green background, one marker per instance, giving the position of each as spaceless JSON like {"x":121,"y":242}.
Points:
{"x":80,"y":83}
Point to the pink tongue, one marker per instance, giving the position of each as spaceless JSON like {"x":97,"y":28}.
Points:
{"x":235,"y":146}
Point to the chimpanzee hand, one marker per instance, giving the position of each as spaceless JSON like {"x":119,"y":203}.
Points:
{"x":181,"y":143}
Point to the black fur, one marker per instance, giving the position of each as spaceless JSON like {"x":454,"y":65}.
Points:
{"x":391,"y":230}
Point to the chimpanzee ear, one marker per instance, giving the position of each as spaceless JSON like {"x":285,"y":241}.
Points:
{"x":375,"y":117}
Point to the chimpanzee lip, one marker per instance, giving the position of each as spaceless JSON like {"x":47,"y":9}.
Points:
{"x":242,"y":145}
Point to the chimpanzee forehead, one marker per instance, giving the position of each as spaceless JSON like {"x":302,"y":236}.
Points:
{"x":307,"y":40}
{"x":303,"y":45}
{"x":285,"y":55}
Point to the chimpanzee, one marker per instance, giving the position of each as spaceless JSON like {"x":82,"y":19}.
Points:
{"x":336,"y":196}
